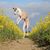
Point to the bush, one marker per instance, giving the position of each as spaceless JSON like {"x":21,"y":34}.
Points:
{"x":41,"y":32}
{"x":9,"y":30}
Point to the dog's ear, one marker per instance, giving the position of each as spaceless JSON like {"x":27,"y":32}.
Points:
{"x":16,"y":8}
{"x":13,"y":8}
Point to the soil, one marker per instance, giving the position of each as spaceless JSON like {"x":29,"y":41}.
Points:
{"x":21,"y":44}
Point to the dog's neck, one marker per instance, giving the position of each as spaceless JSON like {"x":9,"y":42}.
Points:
{"x":19,"y":11}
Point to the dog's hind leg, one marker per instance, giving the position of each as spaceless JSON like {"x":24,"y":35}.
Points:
{"x":24,"y":28}
{"x":27,"y":24}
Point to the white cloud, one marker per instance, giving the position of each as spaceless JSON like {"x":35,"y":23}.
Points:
{"x":42,"y":5}
{"x":36,"y":9}
{"x":8,"y":4}
{"x":35,"y":13}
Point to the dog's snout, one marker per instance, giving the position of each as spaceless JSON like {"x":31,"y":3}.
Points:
{"x":14,"y":14}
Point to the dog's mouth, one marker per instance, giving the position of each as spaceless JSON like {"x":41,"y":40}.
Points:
{"x":14,"y":14}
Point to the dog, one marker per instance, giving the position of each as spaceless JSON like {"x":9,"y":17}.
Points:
{"x":22,"y":16}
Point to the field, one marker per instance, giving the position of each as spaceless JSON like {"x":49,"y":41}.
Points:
{"x":11,"y":33}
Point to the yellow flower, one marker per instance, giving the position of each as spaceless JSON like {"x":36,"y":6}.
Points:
{"x":1,"y":17}
{"x":1,"y":26}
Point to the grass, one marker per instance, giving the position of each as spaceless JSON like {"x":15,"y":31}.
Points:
{"x":9,"y":30}
{"x":41,"y":32}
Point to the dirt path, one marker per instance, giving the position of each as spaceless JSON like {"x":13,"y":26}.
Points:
{"x":23,"y":44}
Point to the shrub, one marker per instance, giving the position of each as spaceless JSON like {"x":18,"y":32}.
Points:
{"x":41,"y":32}
{"x":9,"y":30}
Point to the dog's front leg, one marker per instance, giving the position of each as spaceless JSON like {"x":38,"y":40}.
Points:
{"x":18,"y":20}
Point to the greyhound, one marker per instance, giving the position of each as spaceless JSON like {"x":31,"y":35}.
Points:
{"x":22,"y":16}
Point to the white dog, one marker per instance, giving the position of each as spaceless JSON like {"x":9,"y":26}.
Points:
{"x":22,"y":16}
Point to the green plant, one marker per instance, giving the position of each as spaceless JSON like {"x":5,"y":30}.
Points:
{"x":41,"y":32}
{"x":9,"y":30}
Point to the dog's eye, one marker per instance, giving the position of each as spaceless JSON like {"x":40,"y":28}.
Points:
{"x":14,"y":9}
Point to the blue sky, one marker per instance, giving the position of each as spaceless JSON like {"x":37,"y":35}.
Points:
{"x":34,"y":8}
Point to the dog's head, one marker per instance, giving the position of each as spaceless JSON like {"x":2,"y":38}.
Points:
{"x":16,"y":10}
